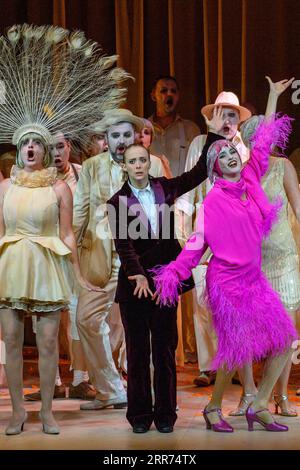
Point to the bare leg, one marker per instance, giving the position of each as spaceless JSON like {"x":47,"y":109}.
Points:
{"x":273,"y":369}
{"x":249,"y":390}
{"x":281,"y":391}
{"x":223,"y":378}
{"x":12,"y":323}
{"x":46,"y":338}
{"x":246,"y":376}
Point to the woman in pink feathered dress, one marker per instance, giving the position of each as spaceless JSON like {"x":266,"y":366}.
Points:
{"x":249,"y":318}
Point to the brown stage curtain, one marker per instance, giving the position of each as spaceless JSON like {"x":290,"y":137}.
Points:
{"x":209,"y":45}
{"x":130,"y":48}
{"x":243,"y":51}
{"x":59,"y":13}
{"x":171,"y":37}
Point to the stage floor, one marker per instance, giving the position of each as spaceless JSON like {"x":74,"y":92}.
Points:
{"x":109,"y":430}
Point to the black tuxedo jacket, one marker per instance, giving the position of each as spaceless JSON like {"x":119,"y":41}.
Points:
{"x":138,"y":247}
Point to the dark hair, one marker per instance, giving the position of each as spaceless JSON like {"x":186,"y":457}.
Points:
{"x":136,"y":145}
{"x":164,"y":77}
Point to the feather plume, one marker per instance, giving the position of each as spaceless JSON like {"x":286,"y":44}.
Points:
{"x":13,"y":34}
{"x":55,"y":80}
{"x":273,"y":131}
{"x":107,"y":61}
{"x":89,"y":48}
{"x":55,"y":34}
{"x":77,"y":39}
{"x":167,"y":283}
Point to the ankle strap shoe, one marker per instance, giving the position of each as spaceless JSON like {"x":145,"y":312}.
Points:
{"x":252,"y":417}
{"x":220,"y":426}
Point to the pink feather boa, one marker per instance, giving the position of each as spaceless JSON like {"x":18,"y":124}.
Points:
{"x":167,"y":283}
{"x":271,"y":132}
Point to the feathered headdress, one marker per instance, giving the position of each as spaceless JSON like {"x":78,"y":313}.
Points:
{"x":53,"y":80}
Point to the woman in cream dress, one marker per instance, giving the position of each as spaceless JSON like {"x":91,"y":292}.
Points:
{"x":37,"y":245}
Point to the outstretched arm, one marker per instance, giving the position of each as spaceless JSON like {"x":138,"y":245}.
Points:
{"x":276,"y":89}
{"x":187,"y":204}
{"x":189,"y":180}
{"x":168,"y":278}
{"x":270,"y":133}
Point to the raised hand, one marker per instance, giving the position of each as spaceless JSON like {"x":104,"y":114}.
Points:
{"x":216,"y":123}
{"x":142,"y":286}
{"x":277,"y":88}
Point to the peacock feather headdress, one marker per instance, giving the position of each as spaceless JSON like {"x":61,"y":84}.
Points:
{"x":53,"y":80}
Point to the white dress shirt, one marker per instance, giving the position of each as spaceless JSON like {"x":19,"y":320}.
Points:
{"x":174,"y":141}
{"x":146,"y":198}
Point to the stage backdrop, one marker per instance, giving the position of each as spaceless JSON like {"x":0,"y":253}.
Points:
{"x":210,"y":45}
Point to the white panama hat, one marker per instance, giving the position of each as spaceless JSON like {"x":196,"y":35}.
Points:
{"x":229,"y":100}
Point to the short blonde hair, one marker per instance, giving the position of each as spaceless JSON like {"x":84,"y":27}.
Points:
{"x":47,"y":159}
{"x":148,"y":124}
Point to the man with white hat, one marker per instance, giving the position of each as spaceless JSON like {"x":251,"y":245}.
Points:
{"x":100,"y":178}
{"x":187,"y":208}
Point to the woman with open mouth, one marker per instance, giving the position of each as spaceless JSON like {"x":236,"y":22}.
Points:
{"x":37,"y":244}
{"x":249,"y":318}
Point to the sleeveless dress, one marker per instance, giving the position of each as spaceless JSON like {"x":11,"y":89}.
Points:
{"x":35,"y":268}
{"x":280,"y":261}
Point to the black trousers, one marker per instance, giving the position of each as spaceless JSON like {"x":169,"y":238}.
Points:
{"x":147,"y":324}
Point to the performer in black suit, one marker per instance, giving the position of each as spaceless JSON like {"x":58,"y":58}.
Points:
{"x":142,"y":224}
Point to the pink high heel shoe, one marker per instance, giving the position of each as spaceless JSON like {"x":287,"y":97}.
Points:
{"x":220,"y":426}
{"x":252,"y":417}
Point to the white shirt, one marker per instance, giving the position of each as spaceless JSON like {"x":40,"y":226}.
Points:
{"x":173,"y":141}
{"x":146,"y":198}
